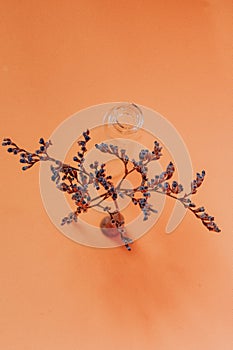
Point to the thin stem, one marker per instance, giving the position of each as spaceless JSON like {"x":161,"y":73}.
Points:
{"x":97,"y":204}
{"x":181,"y":200}
{"x":102,"y":195}
{"x":116,"y":204}
{"x":119,"y":185}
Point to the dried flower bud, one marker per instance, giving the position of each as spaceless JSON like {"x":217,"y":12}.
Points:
{"x":170,"y":170}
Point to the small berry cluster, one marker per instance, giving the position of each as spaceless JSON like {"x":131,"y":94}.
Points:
{"x":173,"y":188}
{"x":28,"y":158}
{"x":197,"y":182}
{"x":206,"y":219}
{"x":69,"y":218}
{"x":80,"y":154}
{"x":144,"y":206}
{"x":118,"y":221}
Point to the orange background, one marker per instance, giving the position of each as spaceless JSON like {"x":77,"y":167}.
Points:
{"x":172,"y":291}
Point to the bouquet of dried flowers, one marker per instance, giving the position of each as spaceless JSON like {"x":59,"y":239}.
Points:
{"x":76,"y":181}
